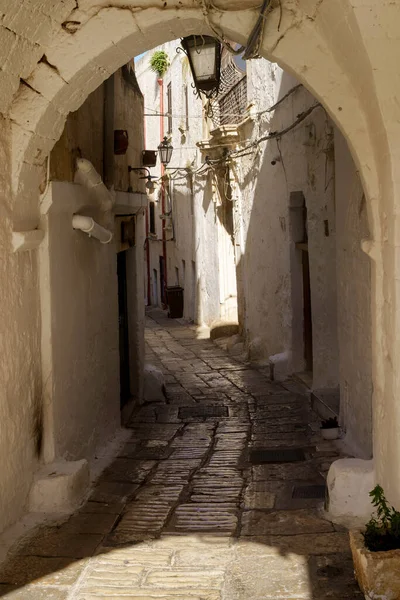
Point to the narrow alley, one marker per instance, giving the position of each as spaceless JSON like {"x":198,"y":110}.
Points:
{"x":218,"y":494}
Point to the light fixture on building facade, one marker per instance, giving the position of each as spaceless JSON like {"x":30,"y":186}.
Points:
{"x":148,"y":177}
{"x":204,"y":54}
{"x":165,"y":150}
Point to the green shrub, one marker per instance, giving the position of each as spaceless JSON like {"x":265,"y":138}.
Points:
{"x":159,"y":62}
{"x":382,"y":531}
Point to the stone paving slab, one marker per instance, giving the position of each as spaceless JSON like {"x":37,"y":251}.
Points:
{"x":182,"y":514}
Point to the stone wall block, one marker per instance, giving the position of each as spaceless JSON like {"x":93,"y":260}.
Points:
{"x":23,"y":58}
{"x":9,"y":84}
{"x":8,"y":40}
{"x":74,"y":52}
{"x":46,"y":81}
{"x":28,"y":107}
{"x":27,"y":148}
{"x":28,"y":21}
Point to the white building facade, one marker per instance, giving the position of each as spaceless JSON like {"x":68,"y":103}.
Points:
{"x":270,"y":218}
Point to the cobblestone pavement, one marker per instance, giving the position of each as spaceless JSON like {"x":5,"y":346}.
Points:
{"x":195,"y":507}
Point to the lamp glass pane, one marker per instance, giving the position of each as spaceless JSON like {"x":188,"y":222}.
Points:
{"x":203,"y":61}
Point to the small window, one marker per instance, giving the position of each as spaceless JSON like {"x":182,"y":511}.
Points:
{"x":169,"y":107}
{"x":152,"y":218}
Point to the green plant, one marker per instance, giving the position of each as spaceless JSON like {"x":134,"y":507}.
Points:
{"x":159,"y":62}
{"x":330,"y":423}
{"x":382,"y":532}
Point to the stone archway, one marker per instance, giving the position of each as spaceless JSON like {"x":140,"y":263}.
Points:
{"x":65,"y":54}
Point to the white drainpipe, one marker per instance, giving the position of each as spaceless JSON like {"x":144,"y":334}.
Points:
{"x":89,"y":177}
{"x":93,"y":229}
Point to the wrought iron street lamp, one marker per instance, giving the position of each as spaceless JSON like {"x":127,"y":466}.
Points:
{"x":165,"y":151}
{"x":204,"y":54}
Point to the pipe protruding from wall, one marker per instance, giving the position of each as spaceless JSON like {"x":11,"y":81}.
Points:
{"x":93,"y":229}
{"x":87,"y":175}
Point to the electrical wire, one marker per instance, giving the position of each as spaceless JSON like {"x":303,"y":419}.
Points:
{"x":261,"y":112}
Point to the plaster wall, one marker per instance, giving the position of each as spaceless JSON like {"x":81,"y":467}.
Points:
{"x":301,"y":161}
{"x":117,"y":104}
{"x":82,"y":137}
{"x":354,"y":303}
{"x":128,"y":115}
{"x":136,"y":317}
{"x":192,"y":254}
{"x":20,"y":389}
{"x":79,"y":307}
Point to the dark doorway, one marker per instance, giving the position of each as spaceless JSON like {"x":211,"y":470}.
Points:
{"x":162,"y":281}
{"x":123,"y":329}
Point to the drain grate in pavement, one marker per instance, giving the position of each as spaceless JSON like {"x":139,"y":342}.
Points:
{"x":277,"y":455}
{"x":309,"y":492}
{"x":204,"y":410}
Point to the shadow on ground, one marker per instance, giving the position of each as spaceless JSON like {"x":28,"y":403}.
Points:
{"x":196,"y":507}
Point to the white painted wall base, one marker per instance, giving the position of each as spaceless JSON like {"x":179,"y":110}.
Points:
{"x":280,"y":365}
{"x":154,"y":384}
{"x":349,"y":482}
{"x":59,"y":487}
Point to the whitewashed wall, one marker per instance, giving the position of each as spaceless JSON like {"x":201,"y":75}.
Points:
{"x":354,"y":303}
{"x":192,"y":257}
{"x":301,"y":161}
{"x":79,"y":305}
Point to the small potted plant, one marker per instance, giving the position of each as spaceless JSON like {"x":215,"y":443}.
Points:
{"x":330,"y":428}
{"x":159,"y":62}
{"x":376,"y":551}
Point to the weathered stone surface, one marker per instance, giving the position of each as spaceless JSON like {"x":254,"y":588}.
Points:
{"x":285,"y":472}
{"x":42,"y":570}
{"x":282,"y":522}
{"x":332,"y":576}
{"x":325,"y":543}
{"x":258,"y":500}
{"x":257,"y":574}
{"x":377,"y":573}
{"x":185,"y":578}
{"x":128,"y":470}
{"x":162,"y":521}
{"x":204,"y":517}
{"x":63,"y":544}
{"x":33,"y":592}
{"x":90,"y":523}
{"x":101,"y":507}
{"x":112,"y":492}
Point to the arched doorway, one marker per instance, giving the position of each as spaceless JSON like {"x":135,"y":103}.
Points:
{"x":77,"y":49}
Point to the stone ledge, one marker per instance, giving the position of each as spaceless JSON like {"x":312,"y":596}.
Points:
{"x":59,"y":487}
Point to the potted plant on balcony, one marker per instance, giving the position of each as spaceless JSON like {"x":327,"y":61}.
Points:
{"x":376,"y":551}
{"x":330,"y":428}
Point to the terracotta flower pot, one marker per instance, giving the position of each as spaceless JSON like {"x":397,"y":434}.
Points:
{"x":377,"y":573}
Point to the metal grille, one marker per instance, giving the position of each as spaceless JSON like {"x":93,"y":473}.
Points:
{"x":309,"y":491}
{"x":187,"y":412}
{"x":233,"y":105}
{"x":230,"y":104}
{"x":277,"y":455}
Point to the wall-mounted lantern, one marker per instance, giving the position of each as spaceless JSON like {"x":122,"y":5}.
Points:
{"x":165,"y":150}
{"x":149,"y":178}
{"x":204,"y":54}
